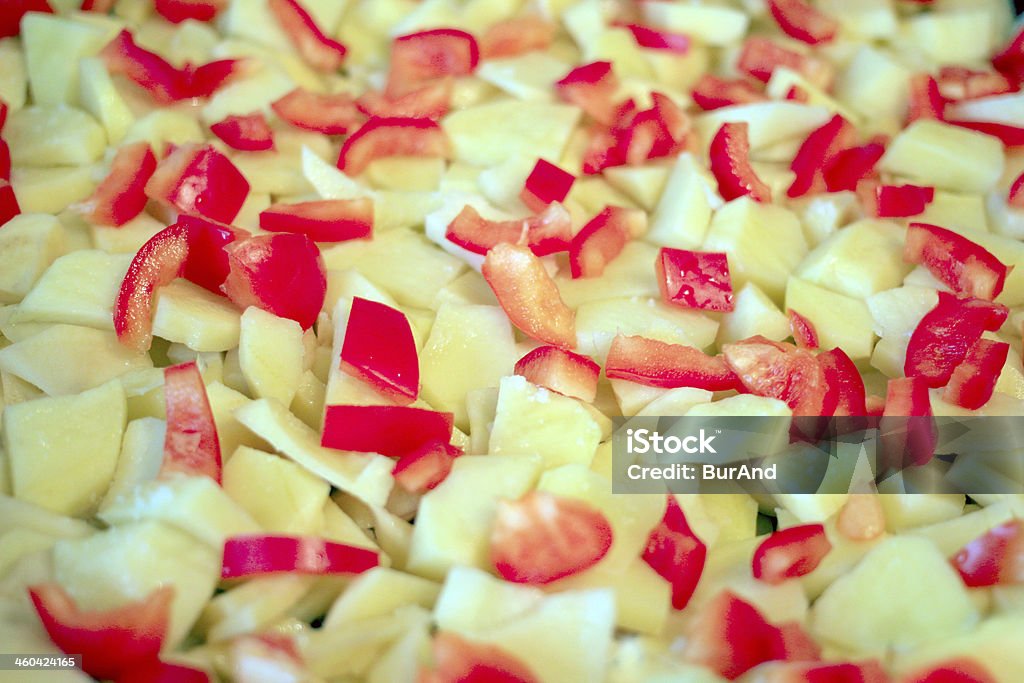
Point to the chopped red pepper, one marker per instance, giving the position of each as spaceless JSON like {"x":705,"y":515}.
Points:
{"x":661,"y":131}
{"x":602,"y":239}
{"x":326,"y":220}
{"x":730,"y":637}
{"x":1010,"y":60}
{"x":960,"y":670}
{"x":804,"y":334}
{"x":676,"y":554}
{"x":281,"y":273}
{"x":546,"y":233}
{"x":845,"y":382}
{"x":820,"y":147}
{"x":965,"y":266}
{"x":926,"y":102}
{"x":800,"y":20}
{"x":419,"y":58}
{"x":4,"y":109}
{"x":517,"y":36}
{"x":5,"y":161}
{"x":319,"y":51}
{"x":393,"y":431}
{"x":995,"y":558}
{"x":694,"y":279}
{"x":730,"y":164}
{"x":191,"y":445}
{"x":790,"y":553}
{"x":198,"y":179}
{"x":797,"y":94}
{"x":327,"y":114}
{"x":259,"y":555}
{"x":561,"y":371}
{"x":177,"y":11}
{"x":121,"y":196}
{"x":656,"y":39}
{"x":961,"y":83}
{"x":206,"y":79}
{"x":390,"y":137}
{"x":907,"y":426}
{"x":972,"y":383}
{"x":11,"y":12}
{"x":248,"y":133}
{"x":424,"y":469}
{"x":894,"y":201}
{"x":668,"y":366}
{"x":379,"y":349}
{"x":457,"y":659}
{"x":1011,"y":136}
{"x":800,"y":646}
{"x":112,"y":642}
{"x":592,"y":88}
{"x":546,"y":183}
{"x":848,"y":167}
{"x":1016,"y":196}
{"x":159,"y":261}
{"x":207,"y":263}
{"x":432,"y":101}
{"x":712,"y":92}
{"x":783,"y":372}
{"x":761,"y":56}
{"x":528,"y":295}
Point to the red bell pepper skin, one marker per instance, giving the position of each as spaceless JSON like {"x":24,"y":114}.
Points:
{"x":528,"y":295}
{"x":712,"y":92}
{"x":431,"y":101}
{"x":420,"y":58}
{"x":995,"y":558}
{"x":1011,"y":136}
{"x":546,"y":233}
{"x":517,"y":36}
{"x":379,"y":138}
{"x":5,"y":161}
{"x":259,"y":555}
{"x":1015,"y":198}
{"x":177,"y":11}
{"x":198,"y":179}
{"x":820,"y":146}
{"x":656,"y":39}
{"x":162,"y":672}
{"x":112,"y":642}
{"x":393,"y":431}
{"x":320,"y":52}
{"x":730,"y":164}
{"x":379,"y":349}
{"x":204,"y":80}
{"x":327,"y":114}
{"x":207,"y":263}
{"x":11,"y":12}
{"x":8,"y":202}
{"x":191,"y":445}
{"x":546,"y":183}
{"x":800,"y":20}
{"x":972,"y":383}
{"x":592,"y":88}
{"x":676,"y":554}
{"x":282,"y":273}
{"x":661,"y":131}
{"x":561,"y":371}
{"x":668,"y":366}
{"x":163,"y":81}
{"x":602,"y":239}
{"x":122,"y":196}
{"x":246,"y":133}
{"x":731,"y":636}
{"x":159,"y":261}
{"x":849,"y":166}
{"x":424,"y":469}
{"x":457,"y":659}
{"x":845,"y":382}
{"x":894,"y":201}
{"x":959,"y":670}
{"x":694,"y":279}
{"x":908,"y":431}
{"x":327,"y":220}
{"x":804,"y":334}
{"x":961,"y":83}
{"x":4,"y":109}
{"x":789,"y":553}
{"x":783,"y":372}
{"x":1010,"y":60}
{"x":965,"y":266}
{"x":761,"y":56}
{"x":926,"y":101}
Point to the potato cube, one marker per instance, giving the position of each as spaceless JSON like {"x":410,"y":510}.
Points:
{"x":29,"y":243}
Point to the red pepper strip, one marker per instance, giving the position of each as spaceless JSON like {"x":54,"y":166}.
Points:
{"x":790,"y":553}
{"x":327,"y":220}
{"x":162,"y":672}
{"x":926,"y":102}
{"x":694,"y":279}
{"x":761,"y":56}
{"x":561,"y":371}
{"x":198,"y":179}
{"x":4,"y":109}
{"x":317,"y":50}
{"x":1010,"y":61}
{"x":908,"y":431}
{"x":259,"y":555}
{"x":282,"y":273}
{"x":965,"y":266}
{"x":517,"y":36}
{"x":783,"y":372}
{"x":601,"y":152}
{"x":676,"y":554}
{"x":602,"y":239}
{"x":327,"y":114}
{"x":418,"y":58}
{"x":546,"y":183}
{"x":804,"y":334}
{"x":730,"y":637}
{"x":797,"y":94}
{"x":5,"y":161}
{"x":894,"y":201}
{"x":177,"y":11}
{"x":432,"y":101}
{"x":11,"y":12}
{"x":112,"y":642}
{"x":393,"y":431}
{"x":946,"y":333}
{"x":207,"y":263}
{"x":995,"y":558}
{"x":204,"y":80}
{"x":424,"y":469}
{"x":655,"y":39}
{"x":546,"y":233}
{"x":191,"y":445}
{"x":1012,"y":137}
{"x":528,"y":295}
{"x":820,"y":146}
{"x":803,"y":21}
{"x":961,"y":83}
{"x":1016,"y":196}
{"x":379,"y":138}
{"x":121,"y":196}
{"x":844,"y":170}
{"x":159,"y":261}
{"x":654,"y":133}
{"x":163,"y":81}
{"x":592,"y":88}
{"x":959,"y":670}
{"x":379,"y":349}
{"x":712,"y":92}
{"x":730,"y":164}
{"x":973,"y":382}
{"x":845,"y":382}
{"x":248,"y":133}
{"x":668,"y":366}
{"x":458,"y":659}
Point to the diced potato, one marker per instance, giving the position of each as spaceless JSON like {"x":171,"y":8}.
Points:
{"x":630,"y":274}
{"x":597,"y":324}
{"x":14,"y":77}
{"x":642,"y":598}
{"x":162,"y":126}
{"x":56,"y":135}
{"x":100,"y":98}
{"x":142,"y":454}
{"x":531,"y":129}
{"x":53,"y":47}
{"x":874,"y":84}
{"x":17,"y":543}
{"x":128,"y":238}
{"x":29,"y":243}
{"x":948,"y":157}
{"x":676,"y":402}
{"x":1008,"y":109}
{"x":840,"y":321}
{"x":994,"y":642}
{"x":51,"y":190}
{"x":865,"y":19}
{"x":711,"y":24}
{"x":351,"y":649}
{"x":959,"y":37}
{"x":253,"y":605}
{"x":271,"y":353}
{"x":904,"y":512}
{"x":768,"y":122}
{"x":860,"y":260}
{"x":1011,"y":252}
{"x":683,"y":213}
{"x":280,"y":495}
{"x":253,"y":21}
{"x":255,"y":92}
{"x":631,"y":397}
{"x":896,"y":313}
{"x":379,"y":592}
{"x":406,"y":174}
{"x":950,"y":535}
{"x":63,"y":451}
{"x":964,"y":213}
{"x":753,"y":313}
{"x":17,"y":514}
{"x":190,"y":315}
{"x":616,"y":45}
{"x":743,"y":404}
{"x":643,"y":184}
{"x":528,"y":77}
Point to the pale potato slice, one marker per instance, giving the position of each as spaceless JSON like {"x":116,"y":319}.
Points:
{"x":29,"y":243}
{"x":78,"y":288}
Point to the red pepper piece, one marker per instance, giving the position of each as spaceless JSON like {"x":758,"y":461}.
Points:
{"x":327,"y":220}
{"x":542,"y":537}
{"x":654,"y":133}
{"x":797,"y":94}
{"x":961,"y":83}
{"x":467,"y":661}
{"x":4,"y":109}
{"x":592,"y":88}
{"x":668,"y":366}
{"x":379,"y":349}
{"x":561,"y":371}
{"x":730,"y":164}
{"x":5,"y":161}
{"x":995,"y":558}
{"x":112,"y":642}
{"x":159,"y":261}
{"x":963,"y":265}
{"x":761,"y":56}
{"x":319,"y":51}
{"x":198,"y":179}
{"x":960,"y":670}
{"x":281,"y":273}
{"x":676,"y":554}
{"x":248,"y":133}
{"x":207,"y":263}
{"x":424,"y":469}
{"x":1010,"y":60}
{"x":731,"y":636}
{"x":790,"y":553}
{"x":418,"y":58}
{"x":163,"y":81}
{"x":204,"y":80}
{"x":1012,"y":137}
{"x":528,"y":295}
{"x":327,"y":114}
{"x":259,"y":555}
{"x":712,"y":92}
{"x":517,"y":36}
{"x":894,"y":201}
{"x":11,"y":12}
{"x":831,"y":672}
{"x":800,"y":646}
{"x":908,"y":431}
{"x":804,"y":334}
{"x":848,"y":167}
{"x":802,"y":21}
{"x":602,"y":239}
{"x":926,"y":101}
{"x":393,"y":431}
{"x":431,"y":101}
{"x":601,"y":152}
{"x":121,"y":196}
{"x":177,"y":11}
{"x":781,"y":371}
{"x":845,"y":382}
{"x":656,"y":39}
{"x":546,"y":183}
{"x":972,"y":383}
{"x":821,"y":146}
{"x":546,"y":233}
{"x":1016,"y":196}
{"x":379,"y":138}
{"x":191,"y":445}
{"x":694,"y":279}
